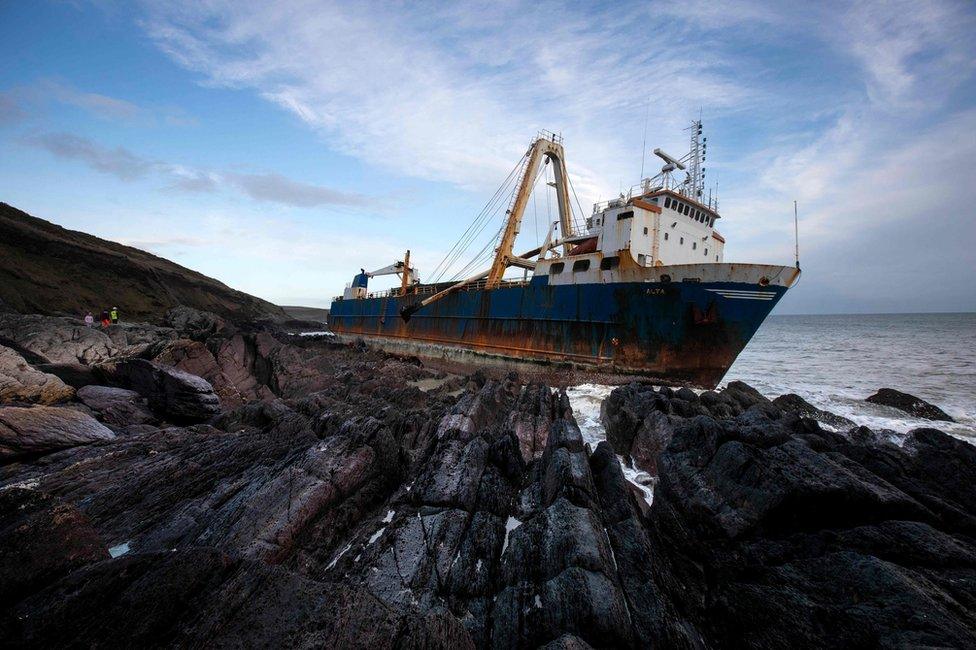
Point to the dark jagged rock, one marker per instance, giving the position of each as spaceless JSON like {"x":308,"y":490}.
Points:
{"x":910,"y":404}
{"x":194,"y":323}
{"x":41,"y":540}
{"x":793,"y":403}
{"x":174,"y":394}
{"x":76,"y":375}
{"x":117,"y":406}
{"x":42,"y":429}
{"x":744,"y":394}
{"x":334,"y":503}
{"x":238,"y":368}
{"x":788,"y":535}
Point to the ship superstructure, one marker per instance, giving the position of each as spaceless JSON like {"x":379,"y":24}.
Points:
{"x":641,"y":289}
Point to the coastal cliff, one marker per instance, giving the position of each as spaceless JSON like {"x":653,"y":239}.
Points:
{"x":47,"y":269}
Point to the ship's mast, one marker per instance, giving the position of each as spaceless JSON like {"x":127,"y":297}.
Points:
{"x":546,"y":146}
{"x":695,"y":188}
{"x":692,"y":163}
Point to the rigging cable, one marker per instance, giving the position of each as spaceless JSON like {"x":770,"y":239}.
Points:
{"x":475,"y":229}
{"x":487,"y":252}
{"x":476,"y":226}
{"x":576,"y":225}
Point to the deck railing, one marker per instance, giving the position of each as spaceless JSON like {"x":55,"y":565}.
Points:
{"x":428,"y":289}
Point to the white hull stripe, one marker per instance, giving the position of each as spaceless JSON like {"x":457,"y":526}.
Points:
{"x":744,"y":295}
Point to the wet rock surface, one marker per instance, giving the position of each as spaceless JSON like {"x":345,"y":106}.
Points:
{"x":792,"y":402}
{"x":330,"y":501}
{"x":909,"y":404}
{"x":117,"y":406}
{"x":177,"y":395}
{"x":41,"y":429}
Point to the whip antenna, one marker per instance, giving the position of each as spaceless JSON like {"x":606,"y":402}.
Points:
{"x":647,"y":112}
{"x":796,"y":235}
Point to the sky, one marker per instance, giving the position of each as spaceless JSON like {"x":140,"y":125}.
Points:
{"x":281,"y":146}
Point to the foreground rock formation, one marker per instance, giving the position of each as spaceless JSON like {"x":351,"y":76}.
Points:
{"x":325,"y":499}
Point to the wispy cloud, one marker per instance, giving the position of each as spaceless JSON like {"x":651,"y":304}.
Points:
{"x":442,"y":95}
{"x":860,"y":110}
{"x":278,"y":189}
{"x":118,"y":162}
{"x":127,"y":166}
{"x":32,"y":99}
{"x":914,"y":53}
{"x":103,"y":106}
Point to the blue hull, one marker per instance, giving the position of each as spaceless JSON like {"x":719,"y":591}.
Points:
{"x":679,"y":332}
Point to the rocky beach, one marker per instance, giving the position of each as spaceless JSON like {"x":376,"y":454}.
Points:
{"x":195,"y":480}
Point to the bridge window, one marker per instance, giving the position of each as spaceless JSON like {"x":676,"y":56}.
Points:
{"x":556,"y":268}
{"x":625,"y":215}
{"x":667,"y":201}
{"x":581,"y":265}
{"x":608,"y":263}
{"x":687,"y":209}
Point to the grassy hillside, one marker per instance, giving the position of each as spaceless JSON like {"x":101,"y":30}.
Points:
{"x":307,"y":313}
{"x":47,"y":269}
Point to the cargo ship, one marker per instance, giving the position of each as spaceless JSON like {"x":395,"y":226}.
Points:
{"x":640,"y":288}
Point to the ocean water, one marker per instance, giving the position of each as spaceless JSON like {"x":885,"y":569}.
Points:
{"x":834,"y":362}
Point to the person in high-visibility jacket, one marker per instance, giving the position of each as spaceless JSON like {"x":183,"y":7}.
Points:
{"x":114,"y":315}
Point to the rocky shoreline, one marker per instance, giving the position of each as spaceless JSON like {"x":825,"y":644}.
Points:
{"x":199,"y":482}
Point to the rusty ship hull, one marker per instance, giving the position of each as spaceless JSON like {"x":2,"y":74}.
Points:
{"x":683,"y":331}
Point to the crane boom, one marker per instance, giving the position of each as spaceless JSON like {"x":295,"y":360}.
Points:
{"x":548,"y":146}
